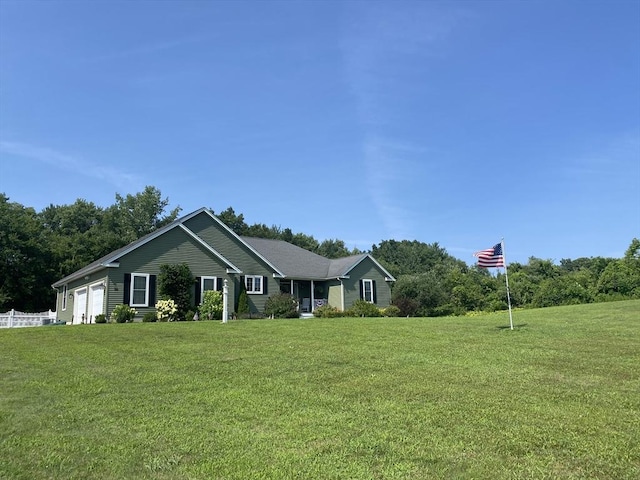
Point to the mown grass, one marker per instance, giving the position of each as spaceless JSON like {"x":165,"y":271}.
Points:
{"x":558,"y":397}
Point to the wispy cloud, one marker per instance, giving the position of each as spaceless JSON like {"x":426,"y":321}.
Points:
{"x":70,"y":163}
{"x":617,"y":158}
{"x":389,"y":168}
{"x":386,"y":54}
{"x":151,"y":48}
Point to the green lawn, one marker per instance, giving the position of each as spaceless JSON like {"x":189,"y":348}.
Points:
{"x":557,"y":397}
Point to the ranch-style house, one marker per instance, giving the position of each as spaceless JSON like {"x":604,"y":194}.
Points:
{"x":215,"y":253}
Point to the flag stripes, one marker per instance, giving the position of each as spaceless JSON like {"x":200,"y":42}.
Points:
{"x":490,"y":257}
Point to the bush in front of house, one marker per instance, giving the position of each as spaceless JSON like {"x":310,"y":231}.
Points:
{"x":243,"y":302}
{"x":362,"y":308}
{"x":391,"y":311}
{"x":166,"y":310}
{"x":101,"y":318}
{"x":327,"y":311}
{"x":122,"y":314}
{"x":176,"y":282}
{"x":281,"y":305}
{"x":149,"y":317}
{"x":211,"y":307}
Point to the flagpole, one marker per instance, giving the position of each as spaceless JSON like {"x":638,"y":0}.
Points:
{"x":506,"y":277}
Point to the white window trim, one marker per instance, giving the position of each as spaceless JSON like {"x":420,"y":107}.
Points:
{"x":146,"y":290}
{"x":202,"y":290}
{"x":65,"y":292}
{"x":366,"y":281}
{"x":254,"y":291}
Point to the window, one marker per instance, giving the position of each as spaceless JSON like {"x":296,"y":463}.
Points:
{"x":286,"y":286}
{"x":253,"y":283}
{"x":139,"y":290}
{"x":64,"y":297}
{"x":207,"y":283}
{"x":367,"y":290}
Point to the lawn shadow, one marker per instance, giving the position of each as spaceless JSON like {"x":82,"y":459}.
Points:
{"x":507,"y":327}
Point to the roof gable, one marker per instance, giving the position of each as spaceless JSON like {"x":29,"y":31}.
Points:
{"x":296,"y":262}
{"x":286,"y":260}
{"x":111,"y":259}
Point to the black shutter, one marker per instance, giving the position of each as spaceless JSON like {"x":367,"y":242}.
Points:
{"x":152,"y":290}
{"x":218,"y":284}
{"x":198,"y":295}
{"x":361,"y":290}
{"x":264,"y":285}
{"x":127,"y":289}
{"x":375,"y":296}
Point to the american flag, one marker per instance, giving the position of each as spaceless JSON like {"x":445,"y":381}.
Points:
{"x":491,"y":257}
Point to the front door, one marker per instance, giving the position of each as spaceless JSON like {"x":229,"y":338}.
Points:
{"x":96,"y":302}
{"x":80,"y":305}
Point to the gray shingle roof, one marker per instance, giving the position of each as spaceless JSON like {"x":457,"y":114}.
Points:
{"x":296,"y":262}
{"x":291,"y":260}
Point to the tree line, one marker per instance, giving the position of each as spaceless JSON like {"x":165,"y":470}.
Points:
{"x":39,"y":248}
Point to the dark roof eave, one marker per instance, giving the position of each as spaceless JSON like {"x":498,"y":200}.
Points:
{"x":85,"y":271}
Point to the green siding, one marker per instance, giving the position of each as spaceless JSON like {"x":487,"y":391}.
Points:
{"x":177,"y":246}
{"x":366,"y":269}
{"x":335,"y":295}
{"x":173,"y":247}
{"x":67,"y":315}
{"x":230,"y":247}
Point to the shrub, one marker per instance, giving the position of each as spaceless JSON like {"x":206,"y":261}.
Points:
{"x":362,"y":308}
{"x":101,"y":318}
{"x":391,"y":311}
{"x":122,"y":314}
{"x":281,"y":305}
{"x":166,"y":310}
{"x":243,"y":301}
{"x":176,"y":282}
{"x":211,"y":308}
{"x":149,"y":317}
{"x":407,"y":306}
{"x":190,"y":316}
{"x":327,"y":311}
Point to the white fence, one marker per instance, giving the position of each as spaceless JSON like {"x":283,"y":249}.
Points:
{"x":21,"y":319}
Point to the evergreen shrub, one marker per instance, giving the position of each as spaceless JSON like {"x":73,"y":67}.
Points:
{"x":243,"y":302}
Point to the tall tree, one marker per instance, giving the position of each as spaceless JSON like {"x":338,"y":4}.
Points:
{"x":233,"y":221}
{"x":25,"y":275}
{"x":411,"y":257}
{"x":334,"y":249}
{"x":75,"y":234}
{"x":137,"y":215}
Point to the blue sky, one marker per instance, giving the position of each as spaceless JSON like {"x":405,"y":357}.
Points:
{"x":451,"y":122}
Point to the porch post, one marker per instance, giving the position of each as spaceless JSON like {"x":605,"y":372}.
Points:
{"x":225,"y":301}
{"x":313,"y":303}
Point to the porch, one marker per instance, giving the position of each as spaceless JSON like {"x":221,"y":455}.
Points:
{"x":310,"y":294}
